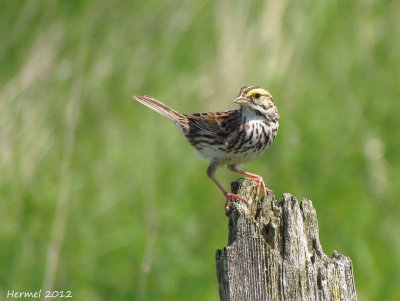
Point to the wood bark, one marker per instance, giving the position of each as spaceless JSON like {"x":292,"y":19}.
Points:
{"x":274,"y":253}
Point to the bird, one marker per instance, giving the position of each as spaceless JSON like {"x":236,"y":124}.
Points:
{"x":231,"y":137}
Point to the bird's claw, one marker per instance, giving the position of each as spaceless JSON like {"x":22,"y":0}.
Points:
{"x":261,"y":184}
{"x":231,"y":196}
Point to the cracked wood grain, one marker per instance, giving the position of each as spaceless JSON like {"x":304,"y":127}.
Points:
{"x":274,"y":253}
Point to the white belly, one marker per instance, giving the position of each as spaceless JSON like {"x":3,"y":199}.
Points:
{"x":251,"y":147}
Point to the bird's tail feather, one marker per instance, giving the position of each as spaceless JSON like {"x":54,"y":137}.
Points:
{"x":159,"y":107}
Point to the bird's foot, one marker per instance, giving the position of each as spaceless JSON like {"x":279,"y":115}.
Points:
{"x":231,"y":196}
{"x":260,"y":184}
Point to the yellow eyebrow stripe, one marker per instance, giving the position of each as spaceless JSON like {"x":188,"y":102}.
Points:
{"x":254,"y":91}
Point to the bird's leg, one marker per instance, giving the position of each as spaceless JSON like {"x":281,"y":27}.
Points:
{"x":257,"y":178}
{"x":228,"y":195}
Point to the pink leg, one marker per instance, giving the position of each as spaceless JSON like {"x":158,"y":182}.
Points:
{"x":228,"y":195}
{"x":257,"y":178}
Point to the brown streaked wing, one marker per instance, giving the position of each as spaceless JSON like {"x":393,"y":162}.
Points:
{"x":221,"y":124}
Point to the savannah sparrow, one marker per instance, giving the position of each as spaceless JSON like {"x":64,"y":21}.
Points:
{"x":231,"y":137}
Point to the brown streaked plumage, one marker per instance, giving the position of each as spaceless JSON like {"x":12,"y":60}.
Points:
{"x":231,"y":137}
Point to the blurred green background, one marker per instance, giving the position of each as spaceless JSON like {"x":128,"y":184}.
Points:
{"x":103,"y":197}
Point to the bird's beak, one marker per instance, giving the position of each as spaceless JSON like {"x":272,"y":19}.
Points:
{"x":241,"y":100}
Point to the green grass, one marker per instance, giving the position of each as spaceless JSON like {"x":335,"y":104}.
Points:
{"x":101,"y":196}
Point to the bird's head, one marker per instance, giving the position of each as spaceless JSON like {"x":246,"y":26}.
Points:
{"x":256,"y":100}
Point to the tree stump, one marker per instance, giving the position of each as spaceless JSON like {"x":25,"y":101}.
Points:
{"x":274,"y":253}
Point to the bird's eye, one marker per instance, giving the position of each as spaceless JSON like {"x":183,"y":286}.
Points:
{"x":257,"y":95}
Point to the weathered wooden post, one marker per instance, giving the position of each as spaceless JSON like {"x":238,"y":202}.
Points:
{"x":274,"y":253}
